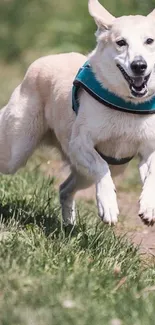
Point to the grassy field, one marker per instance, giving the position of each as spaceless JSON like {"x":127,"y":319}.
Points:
{"x":51,"y":276}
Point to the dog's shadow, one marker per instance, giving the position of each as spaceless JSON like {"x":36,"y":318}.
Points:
{"x":50,"y":223}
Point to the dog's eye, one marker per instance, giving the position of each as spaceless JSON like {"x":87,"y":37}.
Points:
{"x":121,"y":43}
{"x":149,"y":41}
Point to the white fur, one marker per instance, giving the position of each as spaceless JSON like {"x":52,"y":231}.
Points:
{"x":42,"y":106}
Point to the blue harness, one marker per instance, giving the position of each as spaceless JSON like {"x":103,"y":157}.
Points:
{"x":85,"y":79}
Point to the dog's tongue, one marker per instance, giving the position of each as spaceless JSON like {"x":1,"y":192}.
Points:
{"x":138,"y":81}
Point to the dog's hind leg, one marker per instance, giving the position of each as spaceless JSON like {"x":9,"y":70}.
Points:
{"x":68,"y":189}
{"x":22,"y":126}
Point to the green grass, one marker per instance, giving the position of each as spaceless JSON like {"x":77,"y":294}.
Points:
{"x":51,"y":276}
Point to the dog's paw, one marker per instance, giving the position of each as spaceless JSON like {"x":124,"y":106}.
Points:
{"x":147,"y":208}
{"x":107,"y":204}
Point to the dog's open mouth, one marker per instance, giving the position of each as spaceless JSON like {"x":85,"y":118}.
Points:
{"x":138,"y":85}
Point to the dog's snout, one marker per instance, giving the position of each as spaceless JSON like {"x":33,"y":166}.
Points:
{"x":138,"y":66}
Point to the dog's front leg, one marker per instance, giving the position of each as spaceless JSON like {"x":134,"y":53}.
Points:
{"x":147,"y":198}
{"x":89,"y":163}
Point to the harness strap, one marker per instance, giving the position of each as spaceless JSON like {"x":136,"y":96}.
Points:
{"x":114,"y":161}
{"x":85,"y":79}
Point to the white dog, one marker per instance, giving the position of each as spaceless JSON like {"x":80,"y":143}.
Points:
{"x":122,"y":62}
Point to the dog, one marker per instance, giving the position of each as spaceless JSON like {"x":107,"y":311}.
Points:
{"x":123,"y":63}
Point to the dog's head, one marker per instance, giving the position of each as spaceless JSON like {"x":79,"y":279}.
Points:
{"x":124,"y":58}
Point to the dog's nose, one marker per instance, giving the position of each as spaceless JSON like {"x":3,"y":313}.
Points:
{"x":138,"y":66}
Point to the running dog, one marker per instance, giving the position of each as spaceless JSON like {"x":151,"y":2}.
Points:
{"x":98,"y":110}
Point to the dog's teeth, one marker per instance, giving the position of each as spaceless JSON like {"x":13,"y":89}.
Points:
{"x":138,"y":86}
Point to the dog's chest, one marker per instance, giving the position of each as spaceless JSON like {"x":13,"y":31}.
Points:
{"x":122,"y":137}
{"x":117,"y":148}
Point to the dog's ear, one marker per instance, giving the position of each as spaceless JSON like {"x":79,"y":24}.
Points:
{"x":101,"y":16}
{"x":152,"y":14}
